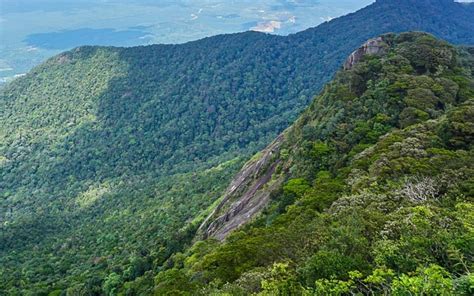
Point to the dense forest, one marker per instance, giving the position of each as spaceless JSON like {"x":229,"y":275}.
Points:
{"x":110,"y":158}
{"x":379,"y":190}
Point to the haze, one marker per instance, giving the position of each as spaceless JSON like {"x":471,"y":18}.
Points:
{"x":31,"y":31}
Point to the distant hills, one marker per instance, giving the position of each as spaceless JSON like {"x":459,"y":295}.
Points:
{"x":33,"y":31}
{"x":110,"y":158}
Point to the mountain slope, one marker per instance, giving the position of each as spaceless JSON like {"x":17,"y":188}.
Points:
{"x":100,"y":147}
{"x":371,"y":189}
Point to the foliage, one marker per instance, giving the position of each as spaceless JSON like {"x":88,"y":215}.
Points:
{"x":373,"y":204}
{"x":110,"y":157}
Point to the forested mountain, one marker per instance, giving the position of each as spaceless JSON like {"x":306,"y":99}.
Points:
{"x":110,"y":158}
{"x":377,"y":190}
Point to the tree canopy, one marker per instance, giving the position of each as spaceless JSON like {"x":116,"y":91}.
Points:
{"x":111,"y":157}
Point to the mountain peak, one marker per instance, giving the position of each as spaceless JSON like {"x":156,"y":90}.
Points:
{"x":434,"y":2}
{"x":373,"y":46}
{"x":420,"y":3}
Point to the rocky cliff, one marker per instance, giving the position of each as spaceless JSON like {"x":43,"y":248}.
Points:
{"x":248,"y":193}
{"x":374,"y":46}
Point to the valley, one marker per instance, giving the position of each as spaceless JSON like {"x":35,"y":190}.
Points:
{"x":336,"y":160}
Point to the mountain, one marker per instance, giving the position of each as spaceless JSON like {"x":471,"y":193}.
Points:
{"x":111,"y":158}
{"x":33,"y":31}
{"x":369,"y":192}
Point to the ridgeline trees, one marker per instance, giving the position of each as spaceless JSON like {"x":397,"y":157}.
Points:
{"x":110,"y":157}
{"x":373,"y":204}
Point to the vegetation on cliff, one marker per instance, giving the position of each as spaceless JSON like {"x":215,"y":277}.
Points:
{"x":379,"y":193}
{"x":110,"y":158}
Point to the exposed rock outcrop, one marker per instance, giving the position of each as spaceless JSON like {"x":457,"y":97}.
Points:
{"x":247,"y":194}
{"x":374,"y":46}
{"x":250,"y":190}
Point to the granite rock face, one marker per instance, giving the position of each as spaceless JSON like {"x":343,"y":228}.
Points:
{"x":375,"y":46}
{"x":250,"y":190}
{"x":247,"y":194}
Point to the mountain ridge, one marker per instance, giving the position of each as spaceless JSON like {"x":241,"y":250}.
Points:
{"x":262,"y":183}
{"x":370,"y":171}
{"x":110,"y":158}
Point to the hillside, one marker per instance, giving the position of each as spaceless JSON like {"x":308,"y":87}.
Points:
{"x":111,"y":158}
{"x":370,"y":192}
